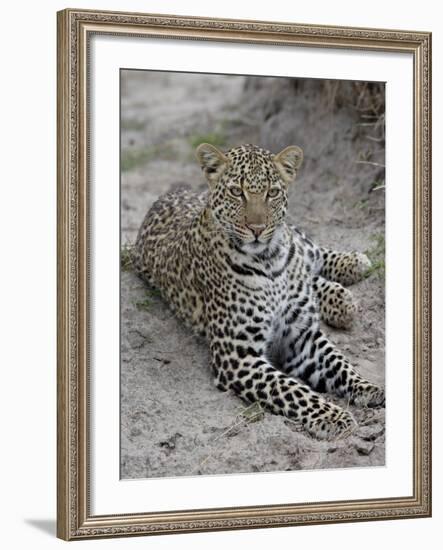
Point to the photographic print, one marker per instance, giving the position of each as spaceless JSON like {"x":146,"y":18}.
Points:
{"x":243,"y":274}
{"x":252,"y":274}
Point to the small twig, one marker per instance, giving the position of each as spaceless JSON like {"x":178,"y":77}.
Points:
{"x":181,"y":354}
{"x":367,"y":123}
{"x":312,"y":220}
{"x":371,"y":163}
{"x":237,"y":424}
{"x":226,"y":432}
{"x":377,"y":140}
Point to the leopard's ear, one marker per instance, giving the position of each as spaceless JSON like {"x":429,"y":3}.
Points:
{"x":212,"y":160}
{"x":288,"y":162}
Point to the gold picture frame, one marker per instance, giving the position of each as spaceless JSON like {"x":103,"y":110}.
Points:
{"x":75,"y":28}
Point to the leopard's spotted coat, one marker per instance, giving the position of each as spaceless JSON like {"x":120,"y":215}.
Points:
{"x":255,"y":287}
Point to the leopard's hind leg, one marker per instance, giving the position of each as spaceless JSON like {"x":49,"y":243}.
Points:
{"x":336,"y":303}
{"x":345,"y":268}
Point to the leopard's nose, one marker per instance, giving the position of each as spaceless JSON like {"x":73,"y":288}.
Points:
{"x":256,"y":228}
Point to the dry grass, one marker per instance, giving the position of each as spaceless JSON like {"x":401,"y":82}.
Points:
{"x":126,"y":260}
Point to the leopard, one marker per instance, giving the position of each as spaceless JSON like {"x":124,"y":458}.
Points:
{"x":256,"y":287}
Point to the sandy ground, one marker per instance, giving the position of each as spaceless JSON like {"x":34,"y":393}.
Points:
{"x":174,"y":421}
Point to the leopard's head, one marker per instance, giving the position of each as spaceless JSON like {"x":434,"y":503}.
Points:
{"x":249,"y":188}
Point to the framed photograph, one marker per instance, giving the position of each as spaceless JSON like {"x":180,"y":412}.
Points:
{"x":243,"y":274}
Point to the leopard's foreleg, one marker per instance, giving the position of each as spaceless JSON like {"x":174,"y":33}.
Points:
{"x":244,"y":368}
{"x":312,"y":357}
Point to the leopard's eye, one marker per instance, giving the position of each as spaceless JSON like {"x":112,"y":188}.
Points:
{"x":274,"y":192}
{"x":236,"y":191}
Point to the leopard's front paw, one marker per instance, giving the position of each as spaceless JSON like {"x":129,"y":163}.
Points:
{"x":366,"y":394}
{"x":333,"y":422}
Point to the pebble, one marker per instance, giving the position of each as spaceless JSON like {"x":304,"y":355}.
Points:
{"x":364,"y":448}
